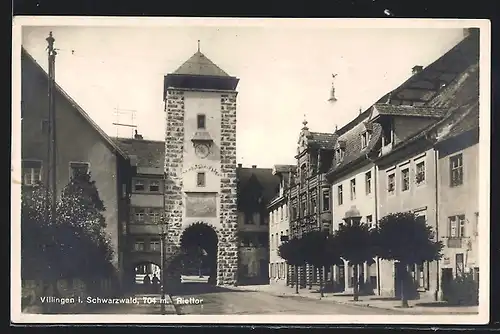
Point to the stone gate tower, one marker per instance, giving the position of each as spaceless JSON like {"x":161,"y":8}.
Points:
{"x":200,"y":158}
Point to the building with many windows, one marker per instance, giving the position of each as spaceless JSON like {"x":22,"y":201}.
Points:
{"x":310,"y":193}
{"x":408,"y":173}
{"x":353,"y":179}
{"x":279,"y":225}
{"x":457,"y":146}
{"x":146,"y":205}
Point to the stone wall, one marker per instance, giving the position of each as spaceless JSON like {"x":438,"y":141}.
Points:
{"x":227,"y":265}
{"x":174,"y":148}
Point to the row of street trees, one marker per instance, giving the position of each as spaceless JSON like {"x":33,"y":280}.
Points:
{"x":74,"y":244}
{"x":398,"y":237}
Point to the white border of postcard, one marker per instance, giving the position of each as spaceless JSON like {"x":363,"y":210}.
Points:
{"x":485,"y":54}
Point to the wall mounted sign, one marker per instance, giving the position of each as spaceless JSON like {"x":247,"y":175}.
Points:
{"x":201,"y":205}
{"x":199,"y":167}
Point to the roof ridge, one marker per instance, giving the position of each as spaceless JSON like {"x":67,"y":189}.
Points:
{"x":76,"y":106}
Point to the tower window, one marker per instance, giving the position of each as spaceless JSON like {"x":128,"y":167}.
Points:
{"x":201,"y":120}
{"x":200,"y":180}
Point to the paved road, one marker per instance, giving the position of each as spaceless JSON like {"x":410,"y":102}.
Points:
{"x":224,"y":301}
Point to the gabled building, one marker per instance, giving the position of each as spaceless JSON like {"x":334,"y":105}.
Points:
{"x":353,"y":178}
{"x":310,"y":193}
{"x":81,"y":146}
{"x":407,"y":165}
{"x":256,"y":188}
{"x":279,"y":225}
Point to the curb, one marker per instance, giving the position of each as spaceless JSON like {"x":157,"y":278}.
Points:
{"x":365,"y":305}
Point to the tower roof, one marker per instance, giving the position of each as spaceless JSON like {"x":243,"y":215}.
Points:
{"x":199,"y":64}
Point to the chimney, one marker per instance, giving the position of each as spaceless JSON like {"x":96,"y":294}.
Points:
{"x":240,"y":165}
{"x":254,"y":166}
{"x":416,"y":69}
{"x":137,"y":135}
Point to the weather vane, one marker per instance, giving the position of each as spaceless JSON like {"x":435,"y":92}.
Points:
{"x":332,"y":92}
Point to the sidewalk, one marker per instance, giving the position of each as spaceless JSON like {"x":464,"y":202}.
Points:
{"x":421,"y":306}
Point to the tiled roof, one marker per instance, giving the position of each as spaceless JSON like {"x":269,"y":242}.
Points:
{"x":412,"y":111}
{"x":465,"y":88}
{"x":268,"y":182}
{"x":199,"y":64}
{"x":322,"y":140}
{"x":26,"y":56}
{"x":148,"y":153}
{"x":424,"y":85}
{"x":461,"y":99}
{"x":353,"y":151}
{"x":469,"y":122}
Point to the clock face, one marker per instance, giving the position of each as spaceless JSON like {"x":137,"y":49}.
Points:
{"x":202,"y":150}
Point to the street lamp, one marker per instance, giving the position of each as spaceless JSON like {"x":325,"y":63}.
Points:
{"x":162,"y":229}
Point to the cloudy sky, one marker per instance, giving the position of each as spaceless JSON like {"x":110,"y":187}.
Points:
{"x":285,"y":72}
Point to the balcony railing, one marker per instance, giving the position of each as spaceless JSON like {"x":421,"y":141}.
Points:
{"x":454,"y":242}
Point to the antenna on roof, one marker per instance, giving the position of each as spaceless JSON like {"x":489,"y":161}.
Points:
{"x":198,"y":45}
{"x":120,"y":112}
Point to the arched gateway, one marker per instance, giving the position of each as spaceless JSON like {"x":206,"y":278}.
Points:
{"x":200,"y":164}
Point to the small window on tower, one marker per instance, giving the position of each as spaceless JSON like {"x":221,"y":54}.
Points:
{"x":200,"y":179}
{"x":201,"y":121}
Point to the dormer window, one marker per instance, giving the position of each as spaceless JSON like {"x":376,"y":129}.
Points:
{"x":340,"y":151}
{"x":387,"y":131}
{"x":339,"y":155}
{"x":365,"y":139}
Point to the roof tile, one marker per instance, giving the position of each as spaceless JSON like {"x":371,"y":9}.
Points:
{"x":199,"y":64}
{"x":412,"y":111}
{"x":148,"y":153}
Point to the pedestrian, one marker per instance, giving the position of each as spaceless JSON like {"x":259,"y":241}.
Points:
{"x":147,"y":282}
{"x":156,"y":283}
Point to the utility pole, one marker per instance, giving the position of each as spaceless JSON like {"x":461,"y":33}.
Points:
{"x":52,"y":121}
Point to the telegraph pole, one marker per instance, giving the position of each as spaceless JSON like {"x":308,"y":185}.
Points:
{"x":52,"y":121}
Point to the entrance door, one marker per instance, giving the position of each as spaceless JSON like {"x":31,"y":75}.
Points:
{"x":446,"y":279}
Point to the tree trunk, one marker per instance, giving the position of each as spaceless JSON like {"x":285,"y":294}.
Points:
{"x":404,"y":300}
{"x":310,"y":275}
{"x":296,"y":279}
{"x":321,"y":282}
{"x":355,"y":282}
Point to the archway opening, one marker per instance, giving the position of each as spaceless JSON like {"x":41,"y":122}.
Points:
{"x":147,"y":277}
{"x":199,"y":244}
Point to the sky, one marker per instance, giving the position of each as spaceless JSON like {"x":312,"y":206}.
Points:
{"x":285,"y":73}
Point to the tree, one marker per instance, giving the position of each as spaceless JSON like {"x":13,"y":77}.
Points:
{"x":319,"y":250}
{"x":38,"y":247}
{"x":404,"y":238}
{"x":354,"y":243}
{"x":291,"y":251}
{"x":85,"y":245}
